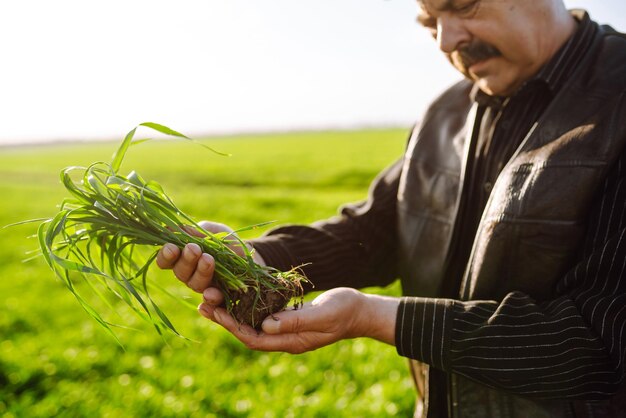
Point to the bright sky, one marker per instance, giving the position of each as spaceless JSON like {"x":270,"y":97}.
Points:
{"x":79,"y":69}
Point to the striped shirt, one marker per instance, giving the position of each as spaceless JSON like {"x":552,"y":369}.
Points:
{"x":571,"y":346}
{"x":504,"y":124}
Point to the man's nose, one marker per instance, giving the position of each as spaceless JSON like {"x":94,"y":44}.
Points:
{"x":451,"y":32}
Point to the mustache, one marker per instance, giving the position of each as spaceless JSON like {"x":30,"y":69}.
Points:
{"x":476,"y":51}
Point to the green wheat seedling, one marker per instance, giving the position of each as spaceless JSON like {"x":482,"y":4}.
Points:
{"x":108,"y":233}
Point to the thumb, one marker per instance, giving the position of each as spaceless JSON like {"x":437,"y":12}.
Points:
{"x":214,"y":227}
{"x":287,"y":322}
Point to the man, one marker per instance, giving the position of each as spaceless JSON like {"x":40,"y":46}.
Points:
{"x":506,"y":221}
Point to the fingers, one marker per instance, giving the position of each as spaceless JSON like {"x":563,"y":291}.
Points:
{"x":214,"y":227}
{"x":294,"y":343}
{"x":192,"y":231}
{"x":254,"y":340}
{"x":213,"y":296}
{"x":234,"y":243}
{"x":203,"y":274}
{"x":186,"y":264}
{"x":167,"y":256}
{"x":190,"y":265}
{"x":207,"y":311}
{"x":328,"y":318}
{"x":292,"y":321}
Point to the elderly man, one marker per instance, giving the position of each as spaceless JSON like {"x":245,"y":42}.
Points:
{"x":505,"y":220}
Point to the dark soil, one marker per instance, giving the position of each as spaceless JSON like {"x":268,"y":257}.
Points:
{"x":254,"y":305}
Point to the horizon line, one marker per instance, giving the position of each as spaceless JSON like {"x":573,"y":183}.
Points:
{"x":7,"y":143}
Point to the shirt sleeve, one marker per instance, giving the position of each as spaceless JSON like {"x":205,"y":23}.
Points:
{"x":570,"y":347}
{"x":354,"y":249}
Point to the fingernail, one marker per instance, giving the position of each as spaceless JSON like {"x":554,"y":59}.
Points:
{"x":193,"y":250}
{"x":206,"y":262}
{"x":168,"y":252}
{"x":217,"y":316}
{"x":203,"y":310}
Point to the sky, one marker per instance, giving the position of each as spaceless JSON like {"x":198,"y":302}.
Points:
{"x":86,"y":70}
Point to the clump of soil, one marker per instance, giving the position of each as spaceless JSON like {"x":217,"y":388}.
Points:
{"x":258,"y":301}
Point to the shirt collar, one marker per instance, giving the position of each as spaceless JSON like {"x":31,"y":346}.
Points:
{"x":563,"y":64}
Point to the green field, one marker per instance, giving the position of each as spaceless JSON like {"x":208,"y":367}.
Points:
{"x":56,"y":361}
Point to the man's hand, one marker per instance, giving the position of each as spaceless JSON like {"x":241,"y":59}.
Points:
{"x":193,"y":267}
{"x":334,"y":315}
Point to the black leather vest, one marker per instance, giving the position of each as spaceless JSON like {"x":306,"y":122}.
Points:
{"x":536,"y":215}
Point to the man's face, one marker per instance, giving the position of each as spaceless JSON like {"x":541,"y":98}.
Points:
{"x":499,"y":44}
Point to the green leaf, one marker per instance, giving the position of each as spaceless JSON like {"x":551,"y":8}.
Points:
{"x":168,"y":131}
{"x":163,"y":129}
{"x":98,"y":236}
{"x":118,"y":157}
{"x":29,"y":221}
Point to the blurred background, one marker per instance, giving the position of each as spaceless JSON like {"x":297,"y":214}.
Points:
{"x":86,"y":71}
{"x":83,"y":70}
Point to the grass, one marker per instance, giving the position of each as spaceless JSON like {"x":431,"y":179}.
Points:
{"x":57,"y":361}
{"x":107,"y":233}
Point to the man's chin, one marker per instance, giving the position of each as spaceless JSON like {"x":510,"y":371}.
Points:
{"x":486,"y":88}
{"x":495,"y":77}
{"x":494,"y":87}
